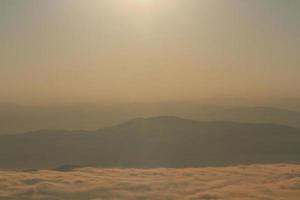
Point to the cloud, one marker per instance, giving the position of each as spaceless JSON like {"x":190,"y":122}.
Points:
{"x":259,"y":182}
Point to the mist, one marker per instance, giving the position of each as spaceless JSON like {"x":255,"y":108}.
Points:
{"x":256,"y":182}
{"x":148,"y":51}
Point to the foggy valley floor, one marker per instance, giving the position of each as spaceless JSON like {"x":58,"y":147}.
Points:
{"x":245,"y":182}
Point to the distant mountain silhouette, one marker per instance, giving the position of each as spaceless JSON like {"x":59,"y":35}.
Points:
{"x":164,"y":141}
{"x":67,"y":168}
{"x":20,"y":119}
{"x":258,"y":115}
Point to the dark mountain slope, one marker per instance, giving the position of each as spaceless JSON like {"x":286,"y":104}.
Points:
{"x":154,"y":142}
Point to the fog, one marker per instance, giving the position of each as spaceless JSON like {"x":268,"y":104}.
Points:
{"x":253,"y":182}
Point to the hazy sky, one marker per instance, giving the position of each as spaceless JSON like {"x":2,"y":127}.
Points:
{"x":148,"y":50}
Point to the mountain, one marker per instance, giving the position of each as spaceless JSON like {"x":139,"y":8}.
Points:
{"x":257,"y":115}
{"x":22,"y":118}
{"x":164,"y":141}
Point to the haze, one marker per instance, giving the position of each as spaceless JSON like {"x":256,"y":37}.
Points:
{"x":148,"y":50}
{"x":149,"y":99}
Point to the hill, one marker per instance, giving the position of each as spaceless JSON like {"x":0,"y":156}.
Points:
{"x":154,"y":142}
{"x":22,"y":118}
{"x":257,"y":115}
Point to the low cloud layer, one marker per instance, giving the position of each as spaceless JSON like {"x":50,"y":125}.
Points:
{"x":259,"y":182}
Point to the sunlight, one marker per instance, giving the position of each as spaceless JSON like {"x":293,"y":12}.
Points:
{"x":142,"y":6}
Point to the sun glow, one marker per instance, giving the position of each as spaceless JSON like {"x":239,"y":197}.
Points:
{"x":143,"y":6}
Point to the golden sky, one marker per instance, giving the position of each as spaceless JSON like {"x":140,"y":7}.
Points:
{"x":148,"y":50}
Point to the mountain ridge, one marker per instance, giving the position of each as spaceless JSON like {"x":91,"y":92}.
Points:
{"x":140,"y":120}
{"x":164,"y":141}
{"x":23,"y":118}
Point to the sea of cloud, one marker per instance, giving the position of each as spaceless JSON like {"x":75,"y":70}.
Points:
{"x":253,"y":182}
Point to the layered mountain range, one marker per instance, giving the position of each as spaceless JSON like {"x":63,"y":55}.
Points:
{"x":163,"y":141}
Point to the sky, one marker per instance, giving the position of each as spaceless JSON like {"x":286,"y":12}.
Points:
{"x":70,"y":51}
